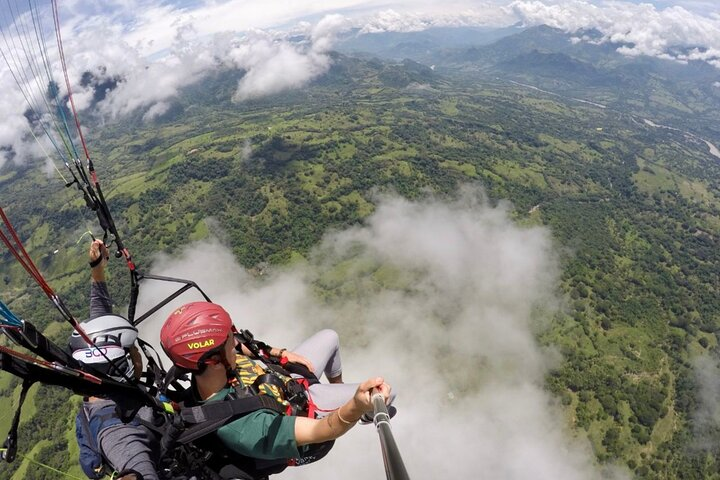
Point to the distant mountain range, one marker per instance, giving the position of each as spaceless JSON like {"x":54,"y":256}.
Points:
{"x":421,"y":45}
{"x":683,"y":95}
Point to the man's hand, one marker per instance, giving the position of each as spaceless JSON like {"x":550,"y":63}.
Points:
{"x":362,"y":401}
{"x":293,"y":357}
{"x":308,"y":430}
{"x":98,"y":250}
{"x":98,"y":256}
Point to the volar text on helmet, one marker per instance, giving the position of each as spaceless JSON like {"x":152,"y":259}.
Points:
{"x":201,"y":344}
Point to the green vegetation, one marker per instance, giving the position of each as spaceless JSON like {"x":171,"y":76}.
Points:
{"x":635,"y":209}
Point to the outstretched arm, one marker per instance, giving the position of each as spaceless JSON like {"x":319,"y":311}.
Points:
{"x":338,"y":423}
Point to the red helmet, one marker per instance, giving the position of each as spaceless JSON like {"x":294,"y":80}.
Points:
{"x":194,"y":332}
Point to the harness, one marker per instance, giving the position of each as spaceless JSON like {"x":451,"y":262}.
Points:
{"x":191,"y":444}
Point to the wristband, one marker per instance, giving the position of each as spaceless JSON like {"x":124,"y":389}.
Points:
{"x":279,"y":355}
{"x":342,"y":419}
{"x":96,"y":262}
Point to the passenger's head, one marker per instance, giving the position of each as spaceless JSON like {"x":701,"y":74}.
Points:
{"x":113,"y":353}
{"x":198,"y":334}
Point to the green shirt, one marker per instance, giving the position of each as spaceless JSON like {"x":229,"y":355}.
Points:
{"x":262,"y":434}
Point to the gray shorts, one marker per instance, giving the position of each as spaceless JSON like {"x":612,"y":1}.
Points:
{"x":323,"y":350}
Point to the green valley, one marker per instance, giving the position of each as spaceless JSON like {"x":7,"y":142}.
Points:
{"x":634,"y":210}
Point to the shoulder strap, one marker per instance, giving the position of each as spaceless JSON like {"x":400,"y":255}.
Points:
{"x":155,"y":373}
{"x":10,"y":445}
{"x":207,"y":418}
{"x":171,"y":379}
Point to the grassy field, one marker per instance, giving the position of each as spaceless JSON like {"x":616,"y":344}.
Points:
{"x":633,"y":209}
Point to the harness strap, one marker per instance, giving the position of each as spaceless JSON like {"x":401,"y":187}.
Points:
{"x":311,"y":406}
{"x":225,"y":410}
{"x":137,"y":277}
{"x":209,"y":417}
{"x":10,"y":444}
{"x":29,"y":337}
{"x":171,"y":378}
{"x":155,"y":371}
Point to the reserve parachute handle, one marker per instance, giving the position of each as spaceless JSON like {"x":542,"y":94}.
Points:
{"x":394,"y":466}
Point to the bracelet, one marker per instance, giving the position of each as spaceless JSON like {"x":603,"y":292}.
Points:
{"x":96,"y":262}
{"x":342,"y":419}
{"x":279,"y":355}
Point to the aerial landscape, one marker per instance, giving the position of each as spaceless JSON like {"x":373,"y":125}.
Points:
{"x":508,"y":209}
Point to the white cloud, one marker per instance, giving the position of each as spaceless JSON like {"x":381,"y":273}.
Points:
{"x":245,"y":151}
{"x":453,"y":331}
{"x":706,"y":418}
{"x":644,"y":28}
{"x":156,"y":110}
{"x":273,"y":66}
{"x":156,"y":48}
{"x":324,"y":34}
{"x":407,"y":20}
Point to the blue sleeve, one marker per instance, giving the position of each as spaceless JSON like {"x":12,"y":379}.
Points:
{"x":91,"y":461}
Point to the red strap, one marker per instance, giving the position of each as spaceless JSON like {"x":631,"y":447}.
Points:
{"x":312,"y":408}
{"x":128,"y":259}
{"x":18,"y":251}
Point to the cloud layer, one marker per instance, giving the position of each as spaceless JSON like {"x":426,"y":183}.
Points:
{"x":155,"y":48}
{"x":672,"y":33}
{"x":442,"y":298}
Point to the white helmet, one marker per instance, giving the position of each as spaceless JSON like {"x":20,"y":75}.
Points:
{"x":113,"y":336}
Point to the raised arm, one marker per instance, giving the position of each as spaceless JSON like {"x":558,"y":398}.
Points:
{"x":339,"y":422}
{"x":100,"y":301}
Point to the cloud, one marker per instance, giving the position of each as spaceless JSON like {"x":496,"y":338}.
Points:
{"x":642,"y":29}
{"x":148,"y":53}
{"x":703,"y":7}
{"x":408,"y":20}
{"x":145,"y":83}
{"x":149,"y":50}
{"x":245,"y":151}
{"x":706,"y":418}
{"x":273,"y":66}
{"x":443,"y":298}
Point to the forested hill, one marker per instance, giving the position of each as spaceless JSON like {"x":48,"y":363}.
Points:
{"x":634,"y":207}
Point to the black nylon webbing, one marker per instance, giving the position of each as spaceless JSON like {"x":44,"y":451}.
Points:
{"x":208,"y":418}
{"x":30,"y":338}
{"x":225,"y":410}
{"x":10,"y":444}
